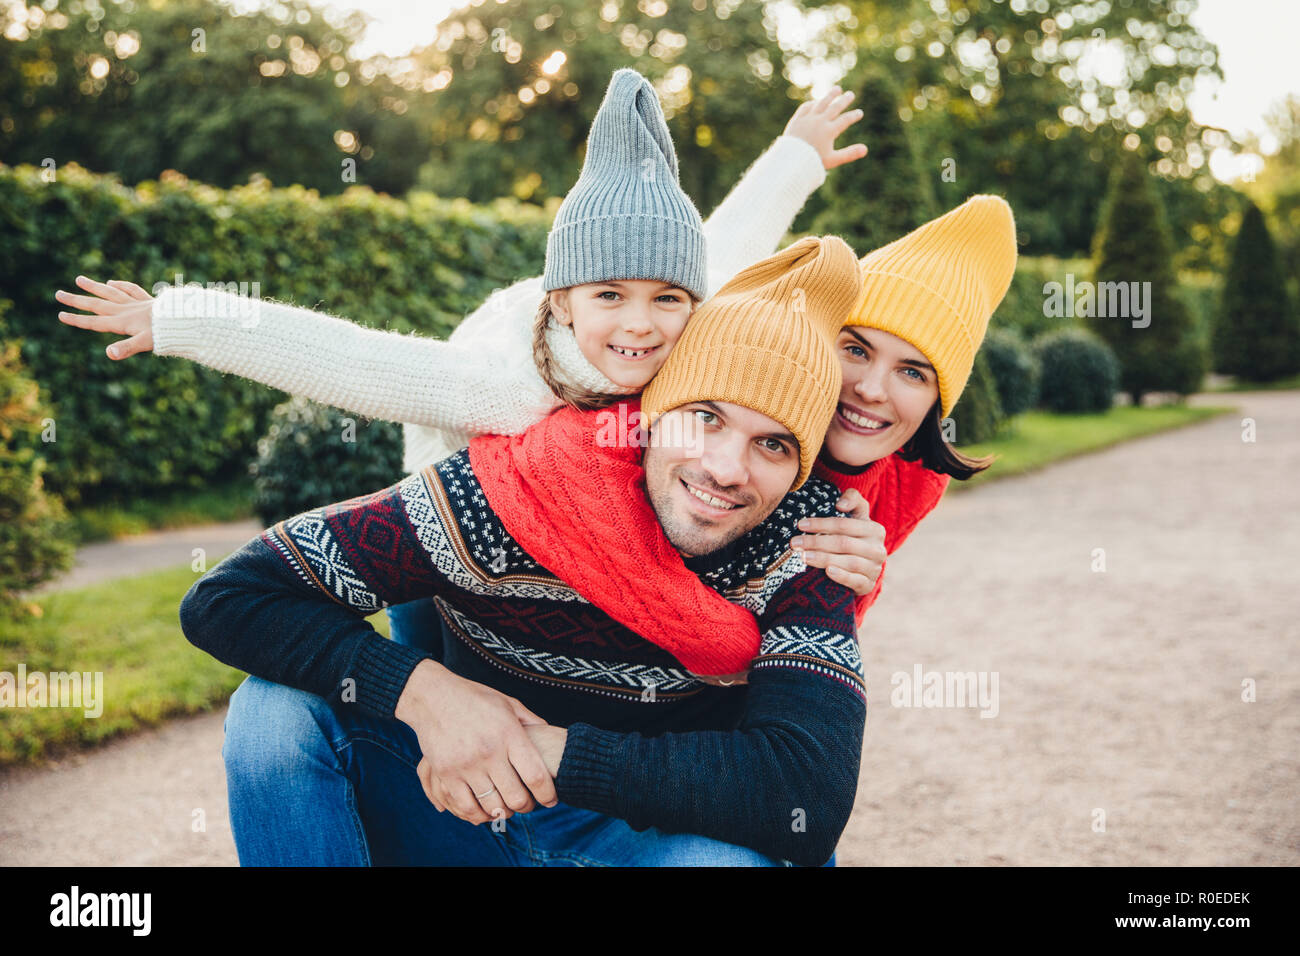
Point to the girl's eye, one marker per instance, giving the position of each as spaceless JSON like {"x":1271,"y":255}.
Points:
{"x":601,"y":295}
{"x":676,"y":300}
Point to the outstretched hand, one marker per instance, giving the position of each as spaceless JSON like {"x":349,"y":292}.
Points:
{"x":821,"y":122}
{"x":118,"y":306}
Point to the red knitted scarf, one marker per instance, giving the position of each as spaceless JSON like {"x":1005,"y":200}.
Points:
{"x":571,"y":491}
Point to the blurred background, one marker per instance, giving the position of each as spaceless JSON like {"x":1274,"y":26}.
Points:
{"x":394,"y":163}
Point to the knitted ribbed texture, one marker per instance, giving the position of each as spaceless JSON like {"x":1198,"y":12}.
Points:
{"x":578,"y":505}
{"x":937,"y":286}
{"x":627,"y":216}
{"x":766,"y":341}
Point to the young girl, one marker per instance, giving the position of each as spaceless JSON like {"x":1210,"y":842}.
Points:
{"x":625,"y":266}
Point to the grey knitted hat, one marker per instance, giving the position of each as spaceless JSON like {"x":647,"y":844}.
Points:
{"x":627,"y":217}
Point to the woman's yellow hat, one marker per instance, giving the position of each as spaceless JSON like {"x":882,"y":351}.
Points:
{"x":937,"y":286}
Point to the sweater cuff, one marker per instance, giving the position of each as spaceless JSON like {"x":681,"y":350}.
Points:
{"x":183,"y":317}
{"x":587,"y":777}
{"x":382,"y":669}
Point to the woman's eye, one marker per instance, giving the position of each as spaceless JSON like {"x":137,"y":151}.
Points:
{"x":914,"y":374}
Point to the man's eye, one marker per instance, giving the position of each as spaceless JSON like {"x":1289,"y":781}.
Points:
{"x":856,"y":351}
{"x":711,"y":417}
{"x":774,"y":445}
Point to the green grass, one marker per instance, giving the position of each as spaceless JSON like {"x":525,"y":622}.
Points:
{"x":226,"y":501}
{"x":1281,"y":384}
{"x":1036,"y":438}
{"x":129,"y":630}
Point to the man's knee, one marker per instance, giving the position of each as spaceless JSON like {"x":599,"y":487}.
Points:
{"x":273,"y":731}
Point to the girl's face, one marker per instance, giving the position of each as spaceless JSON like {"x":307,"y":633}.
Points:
{"x":889,"y":388}
{"x":626,"y":328}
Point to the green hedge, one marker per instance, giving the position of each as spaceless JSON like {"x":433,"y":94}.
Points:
{"x":148,"y":423}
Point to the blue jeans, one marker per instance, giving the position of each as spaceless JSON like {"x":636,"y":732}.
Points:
{"x":417,"y":624}
{"x":315,"y":785}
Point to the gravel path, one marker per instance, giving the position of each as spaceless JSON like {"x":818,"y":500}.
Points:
{"x":1120,"y":738}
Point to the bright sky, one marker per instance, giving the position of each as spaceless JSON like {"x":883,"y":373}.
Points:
{"x":1256,"y":39}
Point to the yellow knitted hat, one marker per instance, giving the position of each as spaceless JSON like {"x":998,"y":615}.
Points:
{"x":766,"y":341}
{"x":937,"y":286}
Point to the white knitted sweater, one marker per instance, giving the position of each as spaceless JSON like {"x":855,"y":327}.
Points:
{"x":482,"y":379}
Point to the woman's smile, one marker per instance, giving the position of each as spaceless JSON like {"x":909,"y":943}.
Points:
{"x":860,"y":422}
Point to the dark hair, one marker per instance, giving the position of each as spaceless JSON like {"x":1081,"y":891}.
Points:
{"x":928,"y":447}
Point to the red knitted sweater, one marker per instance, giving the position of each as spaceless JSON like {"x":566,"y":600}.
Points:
{"x":571,"y":491}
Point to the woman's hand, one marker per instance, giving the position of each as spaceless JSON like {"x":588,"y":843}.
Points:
{"x":850,"y":547}
{"x":118,"y":306}
{"x":820,"y":123}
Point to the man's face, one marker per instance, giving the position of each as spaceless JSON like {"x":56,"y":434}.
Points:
{"x":715,"y":470}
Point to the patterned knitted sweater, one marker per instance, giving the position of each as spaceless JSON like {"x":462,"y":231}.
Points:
{"x":647,"y":742}
{"x":574,"y":495}
{"x":482,"y":379}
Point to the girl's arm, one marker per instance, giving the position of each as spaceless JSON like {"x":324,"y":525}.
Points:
{"x":749,"y":224}
{"x":377,"y":374}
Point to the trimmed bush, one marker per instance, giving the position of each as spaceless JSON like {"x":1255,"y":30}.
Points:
{"x":977,"y":416}
{"x":149,"y":423}
{"x":1079,"y":372}
{"x":1256,"y":335}
{"x":1133,"y":245}
{"x":1015,"y":370}
{"x":33,"y":542}
{"x":314,"y":455}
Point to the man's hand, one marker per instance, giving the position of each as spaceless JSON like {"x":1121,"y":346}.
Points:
{"x":850,"y":547}
{"x":120,"y":306}
{"x":478,"y":762}
{"x":820,"y":123}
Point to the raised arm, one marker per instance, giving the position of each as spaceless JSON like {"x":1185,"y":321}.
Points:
{"x":751,"y":221}
{"x":783,"y":782}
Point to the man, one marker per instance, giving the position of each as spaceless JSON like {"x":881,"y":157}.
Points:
{"x":344,"y":747}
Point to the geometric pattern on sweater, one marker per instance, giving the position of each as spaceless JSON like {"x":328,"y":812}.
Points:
{"x":306,"y":544}
{"x":626,"y":680}
{"x":483,"y":558}
{"x":434,"y":534}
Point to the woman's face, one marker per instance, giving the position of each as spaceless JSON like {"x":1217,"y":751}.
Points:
{"x":889,"y":388}
{"x":625,"y":329}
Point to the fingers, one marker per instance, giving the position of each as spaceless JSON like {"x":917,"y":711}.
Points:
{"x":141,"y":342}
{"x":510,"y":791}
{"x":109,"y":292}
{"x":91,"y":303}
{"x":461,"y":800}
{"x":525,"y":715}
{"x":432,"y":788}
{"x":848,"y":154}
{"x":854,"y":502}
{"x":130,"y":288}
{"x":859,"y":584}
{"x":531,"y":768}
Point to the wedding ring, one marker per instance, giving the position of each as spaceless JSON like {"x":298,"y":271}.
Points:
{"x":480,"y":796}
